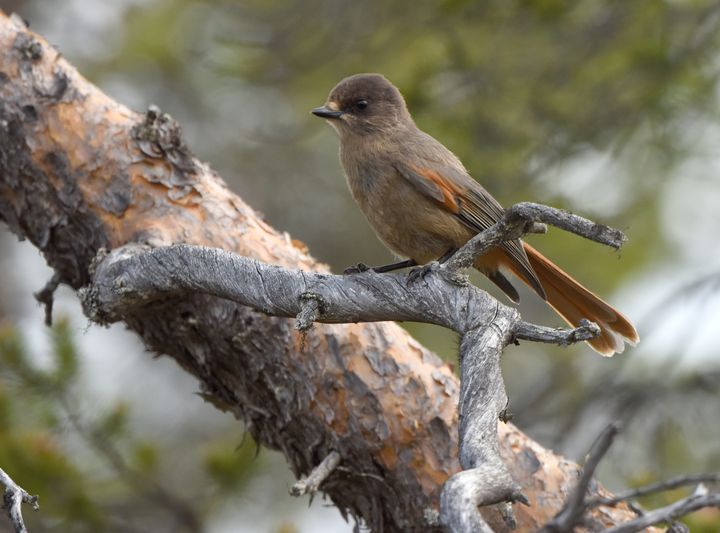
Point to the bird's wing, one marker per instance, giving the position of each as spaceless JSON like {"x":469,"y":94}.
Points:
{"x":457,"y":192}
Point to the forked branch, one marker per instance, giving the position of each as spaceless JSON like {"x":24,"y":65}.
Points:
{"x":133,"y":276}
{"x":14,"y":497}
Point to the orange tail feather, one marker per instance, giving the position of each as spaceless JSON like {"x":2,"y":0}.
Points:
{"x":574,"y":302}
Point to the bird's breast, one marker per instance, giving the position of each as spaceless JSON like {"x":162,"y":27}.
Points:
{"x":406,"y":221}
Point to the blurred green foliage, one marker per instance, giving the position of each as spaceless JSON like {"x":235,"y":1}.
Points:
{"x":228,"y":466}
{"x":42,"y":425}
{"x":28,"y":443}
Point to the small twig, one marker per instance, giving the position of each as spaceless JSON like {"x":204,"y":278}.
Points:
{"x":46,"y":297}
{"x":662,"y":486}
{"x":527,"y":217}
{"x":565,"y":220}
{"x":668,"y":514}
{"x":571,"y":513}
{"x":678,"y":527}
{"x":508,"y":515}
{"x":635,"y":508}
{"x":311,"y":483}
{"x":562,"y":336}
{"x":14,"y":497}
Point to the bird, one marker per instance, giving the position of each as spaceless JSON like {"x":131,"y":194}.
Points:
{"x":424,"y":205}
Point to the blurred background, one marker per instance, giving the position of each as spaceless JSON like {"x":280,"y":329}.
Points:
{"x":609,"y":109}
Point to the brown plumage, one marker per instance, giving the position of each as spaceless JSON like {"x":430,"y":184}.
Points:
{"x":422,"y":203}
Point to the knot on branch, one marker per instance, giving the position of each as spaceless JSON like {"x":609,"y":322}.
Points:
{"x":585,"y":331}
{"x":312,"y":306}
{"x":28,"y":46}
{"x":108,"y":284}
{"x":159,"y":136}
{"x":90,"y":300}
{"x":431,"y":516}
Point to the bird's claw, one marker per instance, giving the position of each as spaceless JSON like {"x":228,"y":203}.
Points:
{"x":356,"y":269}
{"x":419,"y":273}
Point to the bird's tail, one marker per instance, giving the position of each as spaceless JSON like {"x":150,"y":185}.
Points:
{"x":574,"y":302}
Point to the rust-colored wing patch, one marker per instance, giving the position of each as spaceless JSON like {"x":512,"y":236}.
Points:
{"x":432,"y":184}
{"x":461,"y":195}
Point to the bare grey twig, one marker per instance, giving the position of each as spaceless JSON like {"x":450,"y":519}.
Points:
{"x":561,"y":336}
{"x":700,"y":499}
{"x":569,"y":222}
{"x":654,"y":488}
{"x":524,"y":218}
{"x":14,"y":497}
{"x":578,"y":503}
{"x":311,"y":483}
{"x":571,"y":513}
{"x":508,"y":515}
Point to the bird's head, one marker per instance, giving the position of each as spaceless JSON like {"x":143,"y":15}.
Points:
{"x":364,"y":104}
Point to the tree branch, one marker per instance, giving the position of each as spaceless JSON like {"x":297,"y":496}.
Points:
{"x":311,"y":483}
{"x":561,"y":336}
{"x":523,"y":218}
{"x":485,"y":479}
{"x":654,"y":488}
{"x":14,"y":497}
{"x":700,"y":499}
{"x":133,"y":276}
{"x":572,"y":512}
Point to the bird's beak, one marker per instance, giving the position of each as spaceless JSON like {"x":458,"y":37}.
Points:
{"x":326,"y":112}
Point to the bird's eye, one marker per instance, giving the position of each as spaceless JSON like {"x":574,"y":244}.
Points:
{"x":361,"y":104}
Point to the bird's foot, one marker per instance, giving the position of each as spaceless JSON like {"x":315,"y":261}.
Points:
{"x":356,"y":269}
{"x":419,"y":273}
